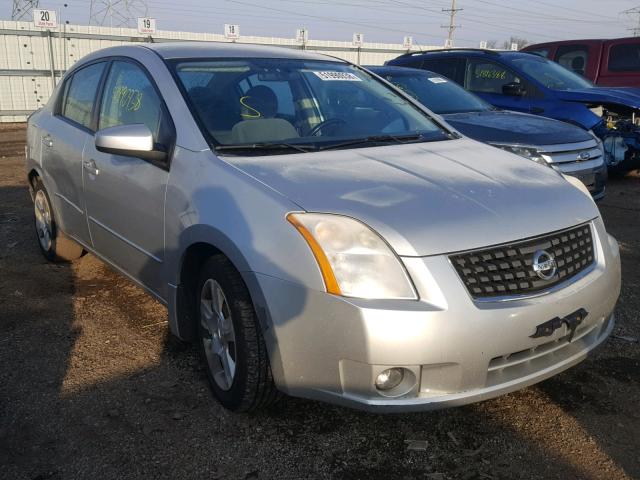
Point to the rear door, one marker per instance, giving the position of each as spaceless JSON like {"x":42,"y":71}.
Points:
{"x":621,"y":63}
{"x":125,"y":195}
{"x":487,"y":79}
{"x":65,"y":135}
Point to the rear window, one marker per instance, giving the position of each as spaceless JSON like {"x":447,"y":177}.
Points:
{"x":625,"y":57}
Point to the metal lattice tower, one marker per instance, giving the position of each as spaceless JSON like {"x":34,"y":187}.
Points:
{"x":22,"y":9}
{"x":117,"y":13}
{"x":630,"y":12}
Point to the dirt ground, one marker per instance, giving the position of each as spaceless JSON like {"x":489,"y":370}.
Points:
{"x":93,"y":386}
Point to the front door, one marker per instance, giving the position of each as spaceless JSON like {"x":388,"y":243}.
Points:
{"x":125,"y":195}
{"x":487,"y":79}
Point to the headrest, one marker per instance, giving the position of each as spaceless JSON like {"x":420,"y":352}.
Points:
{"x":259,"y":102}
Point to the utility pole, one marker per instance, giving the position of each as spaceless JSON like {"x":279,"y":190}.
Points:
{"x":630,"y":12}
{"x":452,"y":25}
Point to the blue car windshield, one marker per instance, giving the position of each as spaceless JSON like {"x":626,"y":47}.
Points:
{"x":437,"y":93}
{"x":550,"y":74}
{"x":304,"y":104}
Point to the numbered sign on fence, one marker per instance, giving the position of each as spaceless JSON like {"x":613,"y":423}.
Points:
{"x":45,"y":18}
{"x":483,"y":44}
{"x":232,"y":32}
{"x":514,"y":46}
{"x":358,"y":40}
{"x":407,"y":43}
{"x":146,"y":25}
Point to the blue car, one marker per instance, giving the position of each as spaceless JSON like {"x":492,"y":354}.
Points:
{"x":526,"y":82}
{"x":563,"y":147}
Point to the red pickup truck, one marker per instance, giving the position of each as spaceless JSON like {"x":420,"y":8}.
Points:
{"x":611,"y":63}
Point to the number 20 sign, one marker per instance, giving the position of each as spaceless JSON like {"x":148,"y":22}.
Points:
{"x":44,"y":18}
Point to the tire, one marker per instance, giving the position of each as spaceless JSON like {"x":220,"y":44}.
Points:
{"x":251,"y":386}
{"x":53,"y":243}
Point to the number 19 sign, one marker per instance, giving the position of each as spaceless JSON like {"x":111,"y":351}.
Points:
{"x":44,"y":18}
{"x":146,"y":25}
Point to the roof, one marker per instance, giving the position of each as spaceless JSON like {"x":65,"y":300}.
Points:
{"x":169,"y":50}
{"x":466,"y":52}
{"x":391,"y":69}
{"x":583,"y":40}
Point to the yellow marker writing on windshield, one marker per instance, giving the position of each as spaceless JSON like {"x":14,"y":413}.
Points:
{"x":257,"y":114}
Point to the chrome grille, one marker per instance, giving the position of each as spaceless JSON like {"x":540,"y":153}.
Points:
{"x":571,"y":152}
{"x":507,"y":270}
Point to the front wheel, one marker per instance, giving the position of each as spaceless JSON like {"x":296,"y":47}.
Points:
{"x":54,"y":244}
{"x":230,"y":339}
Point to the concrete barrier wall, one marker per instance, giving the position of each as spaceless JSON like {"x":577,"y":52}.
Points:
{"x":29,"y":55}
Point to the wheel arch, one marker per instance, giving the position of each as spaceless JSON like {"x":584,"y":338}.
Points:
{"x":199,"y":243}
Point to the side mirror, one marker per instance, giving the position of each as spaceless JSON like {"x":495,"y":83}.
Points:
{"x":514,"y":89}
{"x":134,"y":140}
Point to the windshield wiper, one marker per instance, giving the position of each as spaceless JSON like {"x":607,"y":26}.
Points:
{"x":402,"y":139}
{"x":265,"y":146}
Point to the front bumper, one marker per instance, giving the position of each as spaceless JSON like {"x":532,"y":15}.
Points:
{"x":458,"y":351}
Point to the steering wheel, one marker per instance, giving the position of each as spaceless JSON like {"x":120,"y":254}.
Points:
{"x":330,"y":121}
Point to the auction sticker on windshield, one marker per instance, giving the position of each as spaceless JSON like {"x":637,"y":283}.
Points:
{"x":340,"y":76}
{"x":437,"y":80}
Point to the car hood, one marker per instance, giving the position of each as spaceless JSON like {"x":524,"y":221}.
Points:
{"x":626,"y":96}
{"x":428,"y":198}
{"x":502,"y":126}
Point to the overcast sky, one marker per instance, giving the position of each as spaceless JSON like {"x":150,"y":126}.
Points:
{"x":383,"y":20}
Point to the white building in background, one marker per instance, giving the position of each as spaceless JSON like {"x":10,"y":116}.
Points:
{"x":29,"y":55}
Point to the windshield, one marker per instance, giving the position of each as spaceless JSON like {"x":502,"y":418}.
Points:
{"x":552,"y":75}
{"x":298,"y":104}
{"x":437,"y":93}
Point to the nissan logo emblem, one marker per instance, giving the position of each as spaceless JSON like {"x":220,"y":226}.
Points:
{"x":544,"y":265}
{"x":584,"y":156}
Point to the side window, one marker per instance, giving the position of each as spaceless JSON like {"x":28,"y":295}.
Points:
{"x":488,"y":77}
{"x":80,"y":93}
{"x":448,"y":67}
{"x":413,"y":63}
{"x":625,"y":57}
{"x":573,"y":57}
{"x":129,"y":97}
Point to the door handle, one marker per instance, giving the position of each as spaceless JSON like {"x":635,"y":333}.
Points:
{"x":47,"y":141}
{"x":91,"y":167}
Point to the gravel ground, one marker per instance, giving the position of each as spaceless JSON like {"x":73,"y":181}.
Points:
{"x":93,"y":386}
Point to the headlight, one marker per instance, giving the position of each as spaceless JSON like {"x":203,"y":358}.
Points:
{"x":526,"y":152}
{"x":354,"y":260}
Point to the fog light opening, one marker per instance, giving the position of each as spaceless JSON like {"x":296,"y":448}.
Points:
{"x":389,"y":379}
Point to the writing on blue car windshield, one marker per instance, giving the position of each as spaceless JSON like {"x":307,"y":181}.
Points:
{"x":290,"y":105}
{"x":437,"y":93}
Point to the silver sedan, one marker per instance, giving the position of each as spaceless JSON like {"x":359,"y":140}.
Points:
{"x":317,"y":232}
